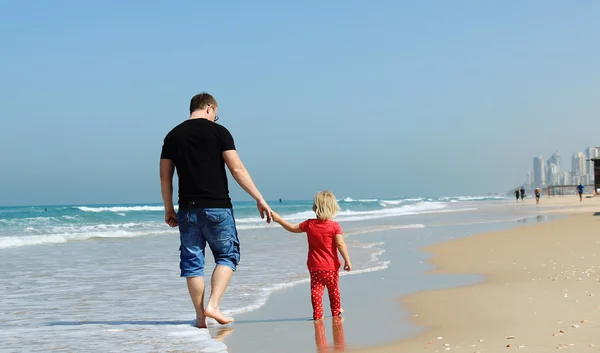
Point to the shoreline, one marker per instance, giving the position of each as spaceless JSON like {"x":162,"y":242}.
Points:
{"x":537,"y":293}
{"x":282,"y":324}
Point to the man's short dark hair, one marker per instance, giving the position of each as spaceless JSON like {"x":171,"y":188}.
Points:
{"x":200,"y":101}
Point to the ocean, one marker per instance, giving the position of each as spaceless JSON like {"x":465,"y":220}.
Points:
{"x":36,"y":225}
{"x":106,"y":277}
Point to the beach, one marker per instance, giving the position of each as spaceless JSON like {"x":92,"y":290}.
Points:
{"x":530,"y":285}
{"x":478,"y":274}
{"x":540,"y":292}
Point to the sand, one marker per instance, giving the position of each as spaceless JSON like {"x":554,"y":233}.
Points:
{"x":542,"y":288}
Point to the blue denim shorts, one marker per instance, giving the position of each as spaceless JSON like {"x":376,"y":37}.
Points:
{"x":199,"y":226}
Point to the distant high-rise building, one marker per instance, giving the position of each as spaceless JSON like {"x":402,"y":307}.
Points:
{"x":529,"y":180}
{"x":578,"y":164}
{"x":552,"y":169}
{"x":555,"y":158}
{"x":552,"y":178}
{"x":565,"y":178}
{"x":539,"y":175}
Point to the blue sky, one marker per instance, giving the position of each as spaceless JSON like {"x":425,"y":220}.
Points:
{"x":368,"y":99}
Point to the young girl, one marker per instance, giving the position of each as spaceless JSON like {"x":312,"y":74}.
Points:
{"x":324,"y":240}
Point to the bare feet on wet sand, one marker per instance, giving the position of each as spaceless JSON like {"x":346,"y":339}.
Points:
{"x":201,"y":323}
{"x":216,"y":314}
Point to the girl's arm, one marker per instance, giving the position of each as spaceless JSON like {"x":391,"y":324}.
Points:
{"x":341,"y":245}
{"x":294,"y":228}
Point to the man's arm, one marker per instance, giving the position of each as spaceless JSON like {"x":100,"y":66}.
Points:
{"x":167,"y":169}
{"x":240,"y":174}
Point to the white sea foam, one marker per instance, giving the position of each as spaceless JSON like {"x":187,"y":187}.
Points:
{"x":71,"y":218}
{"x":14,"y":241}
{"x":349,"y":199}
{"x":116,"y":209}
{"x":423,"y":207}
{"x":471,"y":198}
{"x":386,"y":203}
{"x":352,"y":216}
{"x":370,"y":245}
{"x":30,"y":221}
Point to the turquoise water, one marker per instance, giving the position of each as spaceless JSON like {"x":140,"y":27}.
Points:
{"x":35,"y":225}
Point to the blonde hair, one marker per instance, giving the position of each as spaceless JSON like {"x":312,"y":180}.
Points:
{"x":325,"y":205}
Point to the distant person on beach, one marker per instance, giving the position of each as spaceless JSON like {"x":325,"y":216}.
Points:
{"x":517,"y":193}
{"x":537,"y":195}
{"x":580,"y":191}
{"x":199,"y":149}
{"x":325,"y":239}
{"x":522,"y":194}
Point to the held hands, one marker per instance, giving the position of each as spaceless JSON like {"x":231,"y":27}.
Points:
{"x":171,"y":218}
{"x":347,"y":266}
{"x":264,"y":210}
{"x":276,"y":217}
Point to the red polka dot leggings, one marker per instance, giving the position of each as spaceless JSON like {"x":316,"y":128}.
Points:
{"x":320,"y":279}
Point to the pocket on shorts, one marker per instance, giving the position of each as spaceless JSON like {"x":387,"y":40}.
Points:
{"x":183,"y":218}
{"x":218,"y":218}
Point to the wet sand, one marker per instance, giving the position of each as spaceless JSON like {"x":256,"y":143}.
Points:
{"x":540,"y":292}
{"x":374,"y":315}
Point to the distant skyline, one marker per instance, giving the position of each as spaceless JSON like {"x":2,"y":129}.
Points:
{"x":380,"y":99}
{"x":551,"y":171}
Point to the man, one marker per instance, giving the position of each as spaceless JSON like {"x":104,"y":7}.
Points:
{"x":522,"y":194}
{"x":538,"y":192}
{"x":199,"y":149}
{"x":580,"y":188}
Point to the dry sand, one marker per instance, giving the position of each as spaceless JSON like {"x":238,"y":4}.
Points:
{"x":542,"y":291}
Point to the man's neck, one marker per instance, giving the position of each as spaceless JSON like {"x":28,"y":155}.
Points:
{"x":198,"y":116}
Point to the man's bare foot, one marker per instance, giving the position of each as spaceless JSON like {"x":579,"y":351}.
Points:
{"x":201,"y":323}
{"x":216,"y":314}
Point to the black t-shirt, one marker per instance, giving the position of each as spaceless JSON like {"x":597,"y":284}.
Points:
{"x":196,"y":148}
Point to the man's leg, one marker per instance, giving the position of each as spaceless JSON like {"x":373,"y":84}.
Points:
{"x":218,"y":282}
{"x":196,"y":288}
{"x":192,"y":261}
{"x":221,"y":235}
